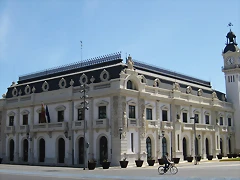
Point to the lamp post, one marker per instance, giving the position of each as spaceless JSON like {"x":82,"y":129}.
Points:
{"x":120,"y":132}
{"x":84,"y":88}
{"x":195,"y":137}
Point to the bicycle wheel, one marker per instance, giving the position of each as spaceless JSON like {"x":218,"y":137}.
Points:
{"x":174,"y":170}
{"x":161,"y":170}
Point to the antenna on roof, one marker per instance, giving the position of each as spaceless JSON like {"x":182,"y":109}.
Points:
{"x":81,"y":50}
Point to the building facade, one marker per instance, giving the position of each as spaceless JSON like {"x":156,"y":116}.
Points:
{"x":135,"y":110}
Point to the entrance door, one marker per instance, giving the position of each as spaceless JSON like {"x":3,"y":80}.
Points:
{"x":149,"y":147}
{"x":103,"y":149}
{"x":184,"y":148}
{"x":25,"y":150}
{"x":61,"y":150}
{"x":207,"y":147}
{"x":11,"y":150}
{"x":164,"y":146}
{"x":41,"y":150}
{"x":221,"y":145}
{"x":81,"y":150}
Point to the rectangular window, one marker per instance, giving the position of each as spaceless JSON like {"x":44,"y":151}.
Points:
{"x":132,"y":113}
{"x":196,"y":118}
{"x":11,"y":120}
{"x":80,"y":114}
{"x":207,"y":119}
{"x":102,"y":112}
{"x":164,"y":115}
{"x":233,"y":78}
{"x":178,"y":142}
{"x":228,"y":79}
{"x":149,"y":113}
{"x":60,"y":116}
{"x":25,"y":119}
{"x":184,"y":117}
{"x":229,"y":122}
{"x":132,"y":142}
{"x":221,"y":120}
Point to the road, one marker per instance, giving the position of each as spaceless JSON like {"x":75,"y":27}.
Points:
{"x":207,"y":170}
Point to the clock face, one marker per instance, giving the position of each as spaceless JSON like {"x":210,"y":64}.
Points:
{"x":230,"y":60}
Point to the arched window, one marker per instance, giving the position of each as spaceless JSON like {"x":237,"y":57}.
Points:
{"x":149,"y":147}
{"x":129,"y":84}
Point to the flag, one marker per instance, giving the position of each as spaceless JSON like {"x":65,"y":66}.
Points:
{"x":47,"y":114}
{"x":43,"y":117}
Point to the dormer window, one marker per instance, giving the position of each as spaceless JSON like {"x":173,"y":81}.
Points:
{"x":131,"y":85}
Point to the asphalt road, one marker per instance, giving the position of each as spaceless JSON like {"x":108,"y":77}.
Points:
{"x":207,"y":170}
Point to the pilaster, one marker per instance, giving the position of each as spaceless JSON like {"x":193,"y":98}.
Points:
{"x":16,"y":157}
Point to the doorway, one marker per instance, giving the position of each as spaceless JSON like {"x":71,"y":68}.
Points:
{"x":81,"y":150}
{"x":207,"y":147}
{"x":25,"y":150}
{"x":41,"y":150}
{"x":184,"y":149}
{"x":61,"y":150}
{"x":11,"y":150}
{"x":103,"y":149}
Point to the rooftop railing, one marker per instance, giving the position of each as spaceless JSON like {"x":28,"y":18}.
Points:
{"x":76,"y":65}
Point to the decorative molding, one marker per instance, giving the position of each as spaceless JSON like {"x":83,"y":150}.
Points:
{"x":83,"y":79}
{"x":207,"y":113}
{"x":214,"y":95}
{"x":60,"y":108}
{"x":196,"y":111}
{"x":71,"y":82}
{"x":156,"y":83}
{"x":62,"y":83}
{"x":11,"y":113}
{"x":14,"y":92}
{"x":79,"y":105}
{"x":131,"y":102}
{"x":148,"y":105}
{"x":114,"y":108}
{"x":164,"y":107}
{"x":49,"y":134}
{"x":176,"y":87}
{"x":102,"y":103}
{"x":20,"y":92}
{"x":142,"y":79}
{"x":104,"y":76}
{"x":189,"y":90}
{"x":27,"y":89}
{"x":33,"y":89}
{"x":45,"y":86}
{"x":39,"y":110}
{"x":184,"y":110}
{"x":200,"y":92}
{"x":24,"y":112}
{"x":92,"y":79}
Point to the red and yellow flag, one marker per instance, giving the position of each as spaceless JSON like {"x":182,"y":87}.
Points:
{"x":43,"y":115}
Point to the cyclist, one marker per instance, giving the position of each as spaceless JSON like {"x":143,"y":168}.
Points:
{"x":167,"y":162}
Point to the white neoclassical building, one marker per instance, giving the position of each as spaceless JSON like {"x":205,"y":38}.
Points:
{"x":151,"y":105}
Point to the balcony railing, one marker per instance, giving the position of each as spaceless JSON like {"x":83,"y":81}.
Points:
{"x":132,"y":122}
{"x":23,"y":129}
{"x":58,"y":126}
{"x":10,"y":129}
{"x":76,"y":125}
{"x":224,"y":128}
{"x":166,"y":125}
{"x":152,"y":123}
{"x":101,"y":123}
{"x":187,"y":126}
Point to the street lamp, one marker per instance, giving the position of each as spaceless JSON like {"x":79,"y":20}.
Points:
{"x":120,"y":132}
{"x":83,"y":89}
{"x":159,"y":136}
{"x":195,"y":118}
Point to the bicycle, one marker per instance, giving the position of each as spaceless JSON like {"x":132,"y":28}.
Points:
{"x":173,"y":169}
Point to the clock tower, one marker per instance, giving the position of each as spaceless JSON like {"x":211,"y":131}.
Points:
{"x":231,"y":69}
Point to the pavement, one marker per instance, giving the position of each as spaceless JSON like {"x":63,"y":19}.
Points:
{"x":204,"y":170}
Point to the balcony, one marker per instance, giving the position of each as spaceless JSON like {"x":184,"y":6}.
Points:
{"x":204,"y":127}
{"x":230,"y":129}
{"x":101,"y":123}
{"x":23,"y":129}
{"x":10,"y":129}
{"x":76,"y":125}
{"x":224,"y":128}
{"x":132,"y":122}
{"x":187,"y":126}
{"x":152,"y":123}
{"x":166,"y":125}
{"x":58,"y":126}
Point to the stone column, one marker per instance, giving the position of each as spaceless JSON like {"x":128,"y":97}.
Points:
{"x":71,"y":140}
{"x":16,"y":157}
{"x":31,"y":147}
{"x":90,"y":130}
{"x":142,"y":130}
{"x":158,"y":144}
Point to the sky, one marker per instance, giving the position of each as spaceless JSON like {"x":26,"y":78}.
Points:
{"x":183,"y":36}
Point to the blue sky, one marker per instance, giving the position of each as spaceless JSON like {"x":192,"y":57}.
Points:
{"x":184,"y":36}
